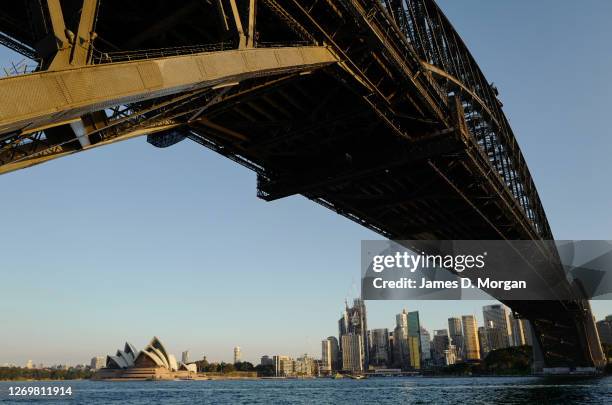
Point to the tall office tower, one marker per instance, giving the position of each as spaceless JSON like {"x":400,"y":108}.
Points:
{"x":391,"y":348}
{"x":185,"y":357}
{"x":604,"y":329}
{"x":379,"y":347}
{"x":455,"y":332}
{"x":441,"y":342}
{"x":352,"y":353}
{"x":330,"y":352}
{"x":354,"y":321}
{"x":483,"y":341}
{"x":335,"y":353}
{"x":425,"y":345}
{"x":498,"y":314}
{"x":497,"y":339}
{"x":450,"y":355}
{"x":401,"y":354}
{"x":236,"y":354}
{"x":29,"y":364}
{"x":414,"y":340}
{"x":519,"y":337}
{"x":470,"y":338}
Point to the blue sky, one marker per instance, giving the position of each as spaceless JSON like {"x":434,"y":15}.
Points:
{"x":128,"y":241}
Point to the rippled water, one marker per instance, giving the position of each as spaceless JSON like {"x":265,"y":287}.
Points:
{"x":508,"y":390}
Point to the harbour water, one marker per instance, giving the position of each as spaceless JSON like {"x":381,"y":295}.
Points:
{"x":475,"y":390}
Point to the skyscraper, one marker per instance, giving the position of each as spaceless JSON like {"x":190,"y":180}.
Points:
{"x":455,"y":332}
{"x":237,"y":354}
{"x":185,"y":357}
{"x":379,"y":347}
{"x":425,"y":345}
{"x":470,"y":338}
{"x":354,"y":321}
{"x":519,"y":331}
{"x":496,"y":338}
{"x":498,"y":314}
{"x":483,"y":341}
{"x":352,"y":353}
{"x":414,"y":340}
{"x":329,"y":354}
{"x":441,"y":342}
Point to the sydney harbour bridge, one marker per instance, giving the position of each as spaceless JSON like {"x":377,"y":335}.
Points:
{"x":373,"y":108}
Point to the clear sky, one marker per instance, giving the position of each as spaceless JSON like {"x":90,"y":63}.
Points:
{"x":129,"y":241}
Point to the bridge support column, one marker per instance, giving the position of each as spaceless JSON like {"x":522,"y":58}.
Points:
{"x":537,"y":367}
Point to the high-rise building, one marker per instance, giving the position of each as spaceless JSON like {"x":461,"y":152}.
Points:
{"x":497,"y":339}
{"x":425,"y":345}
{"x":519,"y":329}
{"x":483,"y":341}
{"x":604,"y":329}
{"x":237,"y":355}
{"x":414,"y":339}
{"x":354,"y":321}
{"x":379,"y":347}
{"x":450,"y":355}
{"x":98,"y":362}
{"x":499,"y":315}
{"x":352,"y":353}
{"x":266,"y":361}
{"x":440,"y":342}
{"x":455,"y":332}
{"x":185,"y":357}
{"x":329,"y":355}
{"x":29,"y":364}
{"x":407,"y":340}
{"x":470,"y":338}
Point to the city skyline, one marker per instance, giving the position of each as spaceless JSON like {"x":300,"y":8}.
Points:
{"x":105,"y":227}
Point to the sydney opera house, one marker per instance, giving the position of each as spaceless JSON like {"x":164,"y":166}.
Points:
{"x":151,"y":363}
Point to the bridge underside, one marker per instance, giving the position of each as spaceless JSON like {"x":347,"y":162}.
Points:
{"x":343,"y":107}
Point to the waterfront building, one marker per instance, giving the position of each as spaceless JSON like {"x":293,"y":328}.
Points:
{"x":379,"y":347}
{"x":266,"y":361}
{"x":352,"y":353}
{"x":29,"y":365}
{"x":237,"y":355}
{"x":354,"y":321}
{"x":284,"y":366}
{"x":470,"y":336}
{"x":185,"y":357}
{"x":499,"y":315}
{"x":97,"y":362}
{"x":304,"y":366}
{"x":455,"y":332}
{"x":326,"y":357}
{"x":425,"y":346}
{"x":152,"y":363}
